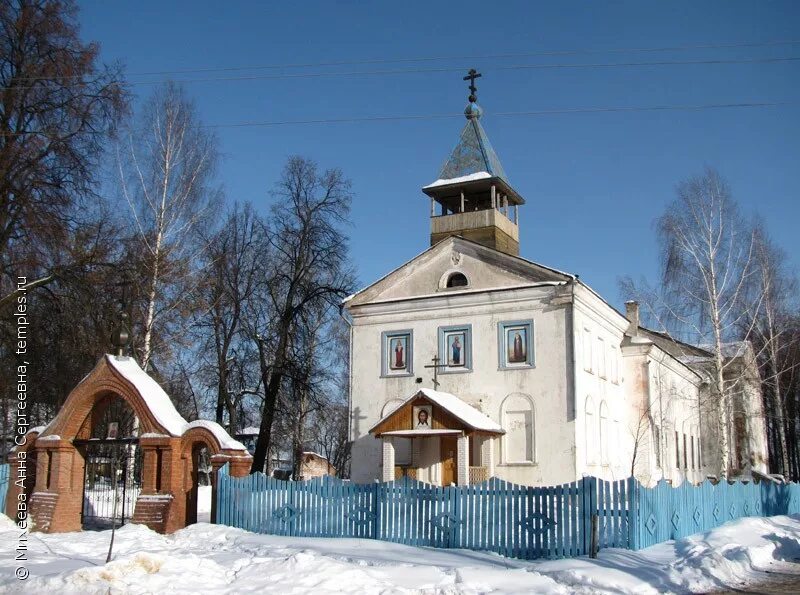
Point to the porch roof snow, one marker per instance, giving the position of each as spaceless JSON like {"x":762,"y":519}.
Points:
{"x":462,"y":411}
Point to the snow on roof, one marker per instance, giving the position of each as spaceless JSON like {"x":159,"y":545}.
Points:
{"x":729,"y":350}
{"x":161,"y":405}
{"x":462,"y":411}
{"x":481,"y":175}
{"x":219,"y":432}
{"x":316,"y":454}
{"x":153,"y":395}
{"x":693,"y":359}
{"x":249,"y":431}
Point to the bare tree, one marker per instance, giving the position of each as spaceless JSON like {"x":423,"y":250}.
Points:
{"x":709,"y":252}
{"x":237,"y":264}
{"x":772,"y":335}
{"x":330,"y":432}
{"x":311,"y":267}
{"x":57,"y":108}
{"x":166,"y":163}
{"x":640,"y":430}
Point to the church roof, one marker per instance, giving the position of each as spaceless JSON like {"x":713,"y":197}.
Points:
{"x":420,"y":277}
{"x":463,"y":412}
{"x":473,"y":155}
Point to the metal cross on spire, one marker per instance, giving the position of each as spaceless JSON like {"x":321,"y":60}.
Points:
{"x":471,"y":76}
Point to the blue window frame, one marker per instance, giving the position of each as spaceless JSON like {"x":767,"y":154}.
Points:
{"x":515,"y":346}
{"x":455,"y":349}
{"x":397,"y":353}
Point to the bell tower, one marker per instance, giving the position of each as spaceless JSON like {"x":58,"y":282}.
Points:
{"x":472,"y":197}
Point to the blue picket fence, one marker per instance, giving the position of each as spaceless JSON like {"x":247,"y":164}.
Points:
{"x":5,"y":478}
{"x":665,"y":512}
{"x":513,"y":520}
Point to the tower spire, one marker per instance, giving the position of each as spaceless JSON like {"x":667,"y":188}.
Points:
{"x":472,"y":197}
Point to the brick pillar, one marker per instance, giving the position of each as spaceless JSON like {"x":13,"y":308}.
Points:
{"x":56,"y":507}
{"x":487,"y":454}
{"x":161,"y":507}
{"x":462,"y":465}
{"x":240,"y":465}
{"x":388,"y":459}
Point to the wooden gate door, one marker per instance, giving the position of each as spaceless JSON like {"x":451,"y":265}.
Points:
{"x":448,"y":447}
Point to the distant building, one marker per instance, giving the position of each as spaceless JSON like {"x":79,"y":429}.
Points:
{"x":248,"y":436}
{"x":315,"y":465}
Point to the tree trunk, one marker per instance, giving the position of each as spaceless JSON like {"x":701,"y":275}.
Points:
{"x":272,"y":381}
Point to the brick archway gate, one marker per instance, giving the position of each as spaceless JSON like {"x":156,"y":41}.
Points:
{"x":167,"y":444}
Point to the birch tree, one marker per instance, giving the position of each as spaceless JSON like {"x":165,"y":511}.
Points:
{"x":773,"y":338}
{"x":166,"y":163}
{"x":708,"y":266}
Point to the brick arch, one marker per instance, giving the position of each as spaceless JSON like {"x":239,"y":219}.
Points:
{"x":198,"y":434}
{"x":102,"y":382}
{"x":211,"y":436}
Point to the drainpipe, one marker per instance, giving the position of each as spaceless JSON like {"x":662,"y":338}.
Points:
{"x":575,"y":397}
{"x":349,"y":374}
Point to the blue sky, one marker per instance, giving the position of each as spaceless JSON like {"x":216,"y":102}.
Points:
{"x":593,"y":182}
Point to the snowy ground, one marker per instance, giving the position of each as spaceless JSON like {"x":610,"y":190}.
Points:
{"x":213,"y":559}
{"x":204,"y":504}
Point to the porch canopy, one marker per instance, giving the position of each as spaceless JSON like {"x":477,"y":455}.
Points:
{"x":434,"y":415}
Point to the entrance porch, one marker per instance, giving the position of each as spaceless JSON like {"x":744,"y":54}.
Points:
{"x":437,"y":438}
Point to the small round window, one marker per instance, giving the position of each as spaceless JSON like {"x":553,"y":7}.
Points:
{"x":457,"y":280}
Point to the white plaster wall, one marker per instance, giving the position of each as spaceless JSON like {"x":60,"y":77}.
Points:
{"x":671,"y":392}
{"x":485,"y":387}
{"x":595,"y":321}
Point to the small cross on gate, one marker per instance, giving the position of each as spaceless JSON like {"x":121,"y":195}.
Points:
{"x":436,"y":365}
{"x":473,"y":74}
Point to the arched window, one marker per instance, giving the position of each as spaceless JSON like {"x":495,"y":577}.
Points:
{"x":517,"y":416}
{"x":590,"y":442}
{"x":457,"y":280}
{"x":604,"y":433}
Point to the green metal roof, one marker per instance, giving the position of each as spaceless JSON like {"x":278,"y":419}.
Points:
{"x":474,"y":152}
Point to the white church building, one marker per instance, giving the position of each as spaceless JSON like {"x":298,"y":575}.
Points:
{"x":470,"y":362}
